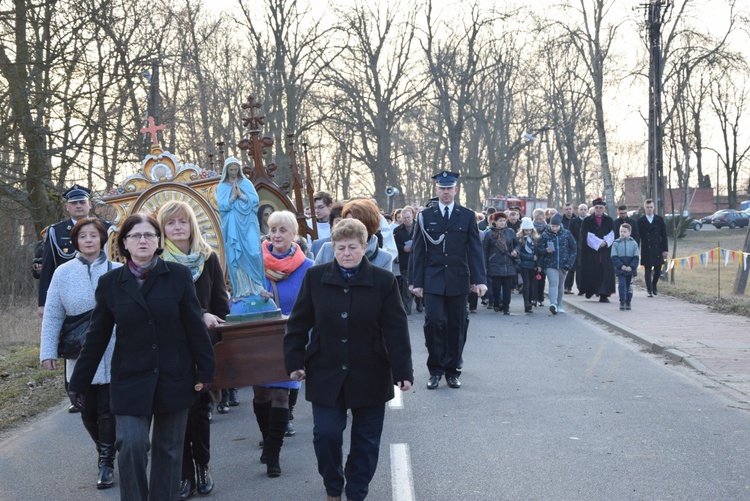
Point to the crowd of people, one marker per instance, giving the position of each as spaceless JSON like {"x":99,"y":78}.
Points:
{"x":146,"y":357}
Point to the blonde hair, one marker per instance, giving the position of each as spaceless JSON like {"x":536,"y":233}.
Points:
{"x":534,"y":234}
{"x":537,"y":212}
{"x":176,"y":208}
{"x":283,"y":218}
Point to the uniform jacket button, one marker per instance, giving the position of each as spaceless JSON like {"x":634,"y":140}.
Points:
{"x":344,"y":315}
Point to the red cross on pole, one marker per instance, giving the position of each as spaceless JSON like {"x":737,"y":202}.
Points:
{"x":152,"y":129}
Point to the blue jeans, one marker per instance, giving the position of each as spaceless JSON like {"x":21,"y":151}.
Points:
{"x":329,"y":424}
{"x":625,"y":287}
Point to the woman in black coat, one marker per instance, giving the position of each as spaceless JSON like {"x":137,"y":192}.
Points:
{"x":162,"y":358}
{"x":501,"y":247}
{"x":184,"y":244}
{"x":359,"y":346}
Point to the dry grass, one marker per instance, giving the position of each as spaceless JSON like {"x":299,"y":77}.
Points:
{"x":713,"y":284}
{"x":27,"y":388}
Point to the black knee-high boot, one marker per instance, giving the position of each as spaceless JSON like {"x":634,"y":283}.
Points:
{"x":261,"y":416}
{"x":106,"y":452}
{"x":278,"y":418}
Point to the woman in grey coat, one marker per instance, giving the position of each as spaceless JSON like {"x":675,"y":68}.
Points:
{"x":71,"y":293}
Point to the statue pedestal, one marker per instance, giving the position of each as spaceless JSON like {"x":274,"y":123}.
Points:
{"x":245,"y":309}
{"x":250,"y":353}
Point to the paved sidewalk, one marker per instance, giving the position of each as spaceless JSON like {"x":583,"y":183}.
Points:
{"x":715,"y":344}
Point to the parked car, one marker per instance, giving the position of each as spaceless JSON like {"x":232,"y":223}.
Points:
{"x":747,"y":211}
{"x":731,"y":218}
{"x":693,"y":224}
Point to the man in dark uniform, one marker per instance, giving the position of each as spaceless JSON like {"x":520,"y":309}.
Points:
{"x":446,"y":264}
{"x":595,"y":247}
{"x":58,"y":248}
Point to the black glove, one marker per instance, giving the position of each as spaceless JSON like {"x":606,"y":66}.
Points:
{"x":78,"y":400}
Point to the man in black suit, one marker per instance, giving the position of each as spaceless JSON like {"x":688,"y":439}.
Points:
{"x":446,"y":264}
{"x":654,"y":246}
{"x":622,"y":217}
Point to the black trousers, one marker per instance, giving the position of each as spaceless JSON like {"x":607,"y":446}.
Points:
{"x":197,"y":446}
{"x":651,"y":276}
{"x":444,"y":333}
{"x":570,"y":276}
{"x":528,"y":275}
{"x":501,"y":287}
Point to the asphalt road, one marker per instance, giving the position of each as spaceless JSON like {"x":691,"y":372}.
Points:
{"x":551,"y":408}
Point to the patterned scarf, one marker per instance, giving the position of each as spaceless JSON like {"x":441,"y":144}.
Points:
{"x":498,"y":234}
{"x":194,"y":261}
{"x":349,"y":273}
{"x":141,"y":272}
{"x":279,"y":268}
{"x":528,"y":244}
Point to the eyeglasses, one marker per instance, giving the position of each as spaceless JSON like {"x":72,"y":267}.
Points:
{"x":136,"y":237}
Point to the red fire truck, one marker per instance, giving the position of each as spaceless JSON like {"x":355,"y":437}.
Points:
{"x":527,"y":204}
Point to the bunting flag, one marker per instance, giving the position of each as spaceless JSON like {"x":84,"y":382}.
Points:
{"x":709,"y":257}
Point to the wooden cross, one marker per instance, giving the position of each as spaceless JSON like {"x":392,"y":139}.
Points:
{"x":152,"y":129}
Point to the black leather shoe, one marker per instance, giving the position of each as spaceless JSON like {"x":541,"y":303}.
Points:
{"x":205,"y":483}
{"x":186,"y":489}
{"x":420,"y":308}
{"x":73,"y":409}
{"x":433,"y":382}
{"x":453,"y":381}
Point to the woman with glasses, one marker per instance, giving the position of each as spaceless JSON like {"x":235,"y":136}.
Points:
{"x":70,"y":294}
{"x":162,"y":358}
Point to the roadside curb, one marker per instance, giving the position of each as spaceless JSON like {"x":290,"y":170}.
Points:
{"x":654,"y":346}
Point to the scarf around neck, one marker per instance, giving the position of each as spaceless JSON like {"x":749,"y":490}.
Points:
{"x":194,"y":261}
{"x":279,"y":268}
{"x":141,"y":272}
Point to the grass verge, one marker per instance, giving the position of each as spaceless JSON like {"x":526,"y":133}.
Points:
{"x":27,"y":388}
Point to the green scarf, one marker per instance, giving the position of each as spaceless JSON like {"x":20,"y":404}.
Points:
{"x":194,"y":261}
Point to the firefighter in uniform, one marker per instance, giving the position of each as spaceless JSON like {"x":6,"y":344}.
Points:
{"x":446,"y":264}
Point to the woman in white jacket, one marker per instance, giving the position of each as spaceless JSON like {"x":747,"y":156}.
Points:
{"x":71,"y":293}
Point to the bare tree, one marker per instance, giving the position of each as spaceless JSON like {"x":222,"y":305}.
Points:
{"x":374,"y":84}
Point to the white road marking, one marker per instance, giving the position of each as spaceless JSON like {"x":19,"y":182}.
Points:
{"x":398,"y":400}
{"x":401,"y":476}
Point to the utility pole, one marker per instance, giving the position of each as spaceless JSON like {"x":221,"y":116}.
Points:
{"x":655,"y":12}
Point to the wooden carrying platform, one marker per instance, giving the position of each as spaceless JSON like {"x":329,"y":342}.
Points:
{"x":250,"y":353}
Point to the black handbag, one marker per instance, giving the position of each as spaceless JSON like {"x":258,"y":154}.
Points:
{"x":73,"y":334}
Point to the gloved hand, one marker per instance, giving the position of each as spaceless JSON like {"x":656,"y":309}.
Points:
{"x":77,"y":400}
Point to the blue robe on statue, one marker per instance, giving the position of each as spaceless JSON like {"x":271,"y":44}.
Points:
{"x":241,"y":234}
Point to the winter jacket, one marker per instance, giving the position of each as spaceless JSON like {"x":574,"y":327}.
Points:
{"x":625,"y":253}
{"x":526,"y":259}
{"x":566,"y":249}
{"x":499,"y":262}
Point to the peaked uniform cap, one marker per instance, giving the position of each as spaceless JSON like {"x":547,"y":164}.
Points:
{"x":446,"y":179}
{"x":77,"y":192}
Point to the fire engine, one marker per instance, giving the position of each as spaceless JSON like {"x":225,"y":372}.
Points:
{"x":527,"y":204}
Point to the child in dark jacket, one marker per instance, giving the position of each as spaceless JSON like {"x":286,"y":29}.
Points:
{"x":625,"y":261}
{"x":527,"y":240}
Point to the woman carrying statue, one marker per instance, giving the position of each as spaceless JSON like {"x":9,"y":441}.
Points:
{"x":184,"y":244}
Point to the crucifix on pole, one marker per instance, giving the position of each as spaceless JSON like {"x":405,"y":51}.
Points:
{"x":153,"y":130}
